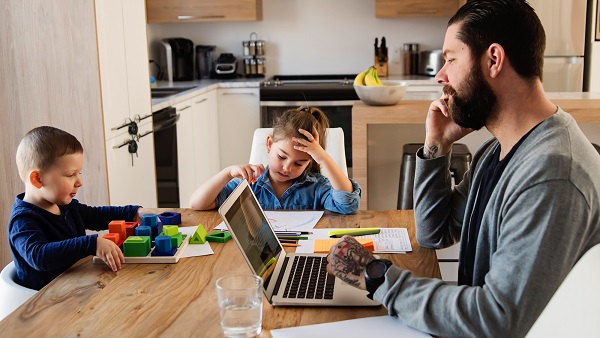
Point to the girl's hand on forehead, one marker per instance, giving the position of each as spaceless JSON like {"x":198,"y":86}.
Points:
{"x":311,"y":145}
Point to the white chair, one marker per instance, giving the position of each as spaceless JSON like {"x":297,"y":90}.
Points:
{"x":12,"y":294}
{"x":334,"y":147}
{"x":574,"y":310}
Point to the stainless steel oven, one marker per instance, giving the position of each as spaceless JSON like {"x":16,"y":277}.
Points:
{"x":334,"y":94}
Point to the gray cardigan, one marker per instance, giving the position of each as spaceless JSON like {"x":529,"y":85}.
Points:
{"x":541,"y":218}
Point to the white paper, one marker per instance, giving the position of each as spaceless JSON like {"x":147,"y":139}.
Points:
{"x":193,"y":250}
{"x":380,"y":327}
{"x":289,"y":220}
{"x":388,"y":240}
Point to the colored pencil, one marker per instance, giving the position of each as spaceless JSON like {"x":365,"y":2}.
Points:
{"x":292,"y":237}
{"x":289,"y":244}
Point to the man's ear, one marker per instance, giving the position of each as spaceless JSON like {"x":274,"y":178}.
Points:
{"x":35,"y":178}
{"x":495,"y":59}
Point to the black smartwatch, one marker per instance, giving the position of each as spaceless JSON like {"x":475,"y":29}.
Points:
{"x":375,"y":274}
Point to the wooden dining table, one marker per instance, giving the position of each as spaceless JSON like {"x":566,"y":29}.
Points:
{"x":179,"y":300}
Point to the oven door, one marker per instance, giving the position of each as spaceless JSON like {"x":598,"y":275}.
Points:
{"x":339,"y":114}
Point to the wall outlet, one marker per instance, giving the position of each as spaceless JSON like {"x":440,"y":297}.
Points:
{"x":396,"y":53}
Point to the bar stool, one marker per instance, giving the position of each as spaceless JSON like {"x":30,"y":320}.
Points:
{"x":459,"y":164}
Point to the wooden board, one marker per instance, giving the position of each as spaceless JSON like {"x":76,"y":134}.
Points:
{"x":154,"y":259}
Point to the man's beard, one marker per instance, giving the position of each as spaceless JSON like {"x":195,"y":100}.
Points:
{"x":475,"y":104}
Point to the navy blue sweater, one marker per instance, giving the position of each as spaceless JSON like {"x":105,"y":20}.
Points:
{"x":44,"y":245}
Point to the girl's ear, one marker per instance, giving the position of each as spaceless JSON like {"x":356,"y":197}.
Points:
{"x":35,"y":179}
{"x":269,"y":142}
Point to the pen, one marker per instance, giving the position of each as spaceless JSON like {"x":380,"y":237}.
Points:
{"x":292,"y":241}
{"x":292,"y":237}
{"x":353,"y":232}
{"x":293,"y":232}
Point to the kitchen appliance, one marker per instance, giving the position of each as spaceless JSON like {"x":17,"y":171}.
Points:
{"x":334,"y":94}
{"x":165,"y":157}
{"x":225,"y":67}
{"x":177,"y":59}
{"x":564,"y":22}
{"x":430,"y":62}
{"x":204,"y":61}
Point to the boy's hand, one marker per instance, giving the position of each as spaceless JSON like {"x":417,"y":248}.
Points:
{"x":138,"y":215}
{"x":247,"y":171}
{"x":110,"y":253}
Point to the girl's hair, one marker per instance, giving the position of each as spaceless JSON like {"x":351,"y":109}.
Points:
{"x":307,"y":118}
{"x":41,"y":146}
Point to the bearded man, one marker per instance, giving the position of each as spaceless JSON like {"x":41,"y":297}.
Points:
{"x":524,"y":213}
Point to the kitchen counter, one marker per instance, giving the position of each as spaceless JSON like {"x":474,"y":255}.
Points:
{"x":584,"y":107}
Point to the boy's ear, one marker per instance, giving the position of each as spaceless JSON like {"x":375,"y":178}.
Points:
{"x":35,"y":179}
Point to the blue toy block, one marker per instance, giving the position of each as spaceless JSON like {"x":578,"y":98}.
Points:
{"x":143,"y":230}
{"x":158,"y":253}
{"x":150,"y":220}
{"x":170,"y":218}
{"x":163,"y":244}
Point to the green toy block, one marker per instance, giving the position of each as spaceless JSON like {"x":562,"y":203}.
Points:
{"x":176,"y":240}
{"x":136,"y":246}
{"x":170,"y":230}
{"x":199,"y":237}
{"x":218,"y":236}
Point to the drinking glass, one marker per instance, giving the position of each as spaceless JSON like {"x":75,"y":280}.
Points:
{"x":240,"y":305}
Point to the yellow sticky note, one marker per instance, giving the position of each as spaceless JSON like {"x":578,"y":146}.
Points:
{"x":324,"y":245}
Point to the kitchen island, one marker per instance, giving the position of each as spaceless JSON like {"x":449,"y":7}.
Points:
{"x":412,"y":110}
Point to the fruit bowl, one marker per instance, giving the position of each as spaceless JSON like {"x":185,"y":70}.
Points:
{"x":387,"y":95}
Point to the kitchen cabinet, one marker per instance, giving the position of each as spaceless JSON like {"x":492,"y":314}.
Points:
{"x":161,"y":11}
{"x":197,"y":143}
{"x":67,"y":56}
{"x":239,"y":116}
{"x":416,"y":8}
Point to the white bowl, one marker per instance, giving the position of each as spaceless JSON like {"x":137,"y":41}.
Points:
{"x":387,"y":95}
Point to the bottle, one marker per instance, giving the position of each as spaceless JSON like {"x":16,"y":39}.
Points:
{"x":411,"y":52}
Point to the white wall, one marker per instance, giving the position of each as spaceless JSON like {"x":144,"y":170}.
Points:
{"x":311,"y":36}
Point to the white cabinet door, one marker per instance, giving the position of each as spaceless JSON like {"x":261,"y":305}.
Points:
{"x":197,"y":143}
{"x":206,"y":136}
{"x":239,"y":116}
{"x":129,"y":174}
{"x":186,"y":175}
{"x":124,"y":81}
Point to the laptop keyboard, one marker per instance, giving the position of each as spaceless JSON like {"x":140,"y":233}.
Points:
{"x":309,"y":279}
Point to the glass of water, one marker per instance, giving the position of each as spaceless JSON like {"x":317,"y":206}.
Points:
{"x":240,"y":305}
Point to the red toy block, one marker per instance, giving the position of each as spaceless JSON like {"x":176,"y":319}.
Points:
{"x":118,"y":227}
{"x":130,"y":228}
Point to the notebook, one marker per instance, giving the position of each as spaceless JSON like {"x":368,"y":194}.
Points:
{"x":288,"y":278}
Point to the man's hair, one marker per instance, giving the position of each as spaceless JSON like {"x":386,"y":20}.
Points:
{"x":511,"y":23}
{"x":41,"y":146}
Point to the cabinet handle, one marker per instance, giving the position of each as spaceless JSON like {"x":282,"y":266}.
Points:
{"x":421,"y":11}
{"x":190,"y":17}
{"x":198,"y":102}
{"x":184,"y":108}
{"x":227,"y":93}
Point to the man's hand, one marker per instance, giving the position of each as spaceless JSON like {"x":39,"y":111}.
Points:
{"x":440,"y":129}
{"x":347,"y":260}
{"x":110,"y":253}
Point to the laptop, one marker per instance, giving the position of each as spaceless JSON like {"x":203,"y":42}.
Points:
{"x":289,"y":279}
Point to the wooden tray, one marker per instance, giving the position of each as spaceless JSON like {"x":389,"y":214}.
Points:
{"x":154,"y":259}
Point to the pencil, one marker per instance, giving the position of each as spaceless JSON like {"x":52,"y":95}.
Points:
{"x":289,"y":244}
{"x":293,"y":232}
{"x":292,"y":237}
{"x":293,"y":241}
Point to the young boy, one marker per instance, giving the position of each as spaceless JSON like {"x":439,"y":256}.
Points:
{"x":47,"y":225}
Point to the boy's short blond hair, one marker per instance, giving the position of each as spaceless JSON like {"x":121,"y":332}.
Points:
{"x":41,"y":146}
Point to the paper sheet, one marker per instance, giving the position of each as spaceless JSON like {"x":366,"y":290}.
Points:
{"x":288,"y":220}
{"x":389,"y":240}
{"x":193,"y":250}
{"x":380,"y":327}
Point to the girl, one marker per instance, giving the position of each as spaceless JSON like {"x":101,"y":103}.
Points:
{"x":292,"y":178}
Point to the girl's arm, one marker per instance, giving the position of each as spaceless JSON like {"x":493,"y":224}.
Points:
{"x":204,"y":198}
{"x":339,"y":181}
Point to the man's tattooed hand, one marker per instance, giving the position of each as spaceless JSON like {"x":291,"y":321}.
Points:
{"x":347,"y":260}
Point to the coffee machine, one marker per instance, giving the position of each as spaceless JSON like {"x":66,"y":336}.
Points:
{"x":177,"y":59}
{"x":225,"y":67}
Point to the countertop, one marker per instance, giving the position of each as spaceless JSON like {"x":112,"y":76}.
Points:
{"x":204,"y":85}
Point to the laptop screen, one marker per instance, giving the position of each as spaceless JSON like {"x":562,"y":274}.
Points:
{"x":253,"y":232}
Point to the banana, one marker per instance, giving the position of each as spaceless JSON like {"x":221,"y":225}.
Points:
{"x":360,"y":78}
{"x":371,"y":79}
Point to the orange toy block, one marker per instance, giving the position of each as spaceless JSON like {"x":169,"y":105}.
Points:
{"x":324,"y":245}
{"x":113,"y":236}
{"x":118,"y":227}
